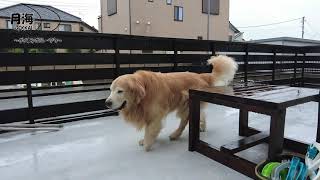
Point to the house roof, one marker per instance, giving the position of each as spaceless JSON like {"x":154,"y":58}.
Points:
{"x":92,"y":28}
{"x":233,"y":28}
{"x":291,"y":39}
{"x":40,"y":12}
{"x":43,"y":12}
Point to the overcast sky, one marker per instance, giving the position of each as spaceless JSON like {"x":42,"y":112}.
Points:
{"x":242,"y":13}
{"x":256,"y":12}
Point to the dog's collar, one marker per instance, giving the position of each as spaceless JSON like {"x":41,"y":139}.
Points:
{"x":122,"y":106}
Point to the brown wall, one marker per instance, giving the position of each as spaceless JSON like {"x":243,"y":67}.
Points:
{"x":161,"y":17}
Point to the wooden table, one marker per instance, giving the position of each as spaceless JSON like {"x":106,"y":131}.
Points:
{"x":265,"y":99}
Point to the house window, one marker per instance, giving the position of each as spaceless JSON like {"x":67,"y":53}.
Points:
{"x":178,"y":13}
{"x":150,"y":0}
{"x":111,"y":7}
{"x":81,"y":28}
{"x":65,"y":27}
{"x":214,"y":6}
{"x":9,"y":25}
{"x":169,"y":2}
{"x":46,"y":25}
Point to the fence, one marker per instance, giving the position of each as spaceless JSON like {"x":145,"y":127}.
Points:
{"x":114,"y":55}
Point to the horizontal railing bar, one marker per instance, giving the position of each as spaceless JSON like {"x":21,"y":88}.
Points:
{"x":47,"y":59}
{"x":70,"y":92}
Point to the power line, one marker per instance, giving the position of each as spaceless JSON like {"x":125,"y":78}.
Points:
{"x":271,"y":24}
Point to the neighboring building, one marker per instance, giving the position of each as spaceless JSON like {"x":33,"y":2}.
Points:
{"x":235,"y":34}
{"x":166,"y":18}
{"x":46,"y":18}
{"x":288,"y":41}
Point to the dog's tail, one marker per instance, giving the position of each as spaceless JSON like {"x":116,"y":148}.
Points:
{"x":224,"y":69}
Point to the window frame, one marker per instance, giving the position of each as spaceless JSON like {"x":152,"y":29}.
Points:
{"x":116,"y":8}
{"x":169,"y":2}
{"x":176,"y":18}
{"x":204,"y":10}
{"x":46,"y":27}
{"x":64,"y":29}
{"x":9,"y":25}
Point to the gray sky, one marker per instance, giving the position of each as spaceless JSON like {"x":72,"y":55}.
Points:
{"x":242,"y":13}
{"x":256,"y":12}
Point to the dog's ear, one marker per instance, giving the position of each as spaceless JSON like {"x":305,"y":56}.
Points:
{"x":138,"y":90}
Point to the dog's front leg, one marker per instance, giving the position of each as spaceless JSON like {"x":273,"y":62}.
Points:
{"x":151,"y":132}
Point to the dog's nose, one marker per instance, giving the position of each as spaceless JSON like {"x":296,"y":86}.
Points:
{"x":108,"y":103}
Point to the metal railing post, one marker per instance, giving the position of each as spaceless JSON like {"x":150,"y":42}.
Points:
{"x":174,"y":58}
{"x":295,"y":69}
{"x":303,"y":69}
{"x":29,"y":90}
{"x":274,"y":62}
{"x":213,"y":48}
{"x":116,"y":56}
{"x":246,"y":65}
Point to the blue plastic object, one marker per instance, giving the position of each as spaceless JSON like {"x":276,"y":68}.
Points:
{"x":293,"y":168}
{"x":302,"y":174}
{"x":312,"y":152}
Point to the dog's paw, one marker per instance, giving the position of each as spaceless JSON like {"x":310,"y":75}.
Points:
{"x":141,"y":142}
{"x":174,"y":136}
{"x":147,"y":148}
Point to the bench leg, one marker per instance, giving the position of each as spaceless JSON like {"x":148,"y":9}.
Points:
{"x":194,"y":122}
{"x":276,"y":137}
{"x":243,"y":122}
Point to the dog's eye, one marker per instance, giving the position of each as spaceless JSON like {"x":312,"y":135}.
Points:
{"x":120,"y":91}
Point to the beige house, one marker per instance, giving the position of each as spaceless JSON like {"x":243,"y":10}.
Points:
{"x":166,"y":18}
{"x":43,"y":17}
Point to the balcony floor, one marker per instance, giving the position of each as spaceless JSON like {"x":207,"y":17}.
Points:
{"x":107,"y":148}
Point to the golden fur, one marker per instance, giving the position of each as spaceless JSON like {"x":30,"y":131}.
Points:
{"x":149,"y":96}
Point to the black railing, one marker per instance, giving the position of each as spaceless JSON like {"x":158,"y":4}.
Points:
{"x":115,"y":55}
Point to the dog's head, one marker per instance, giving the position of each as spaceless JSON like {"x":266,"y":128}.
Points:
{"x":126,"y":91}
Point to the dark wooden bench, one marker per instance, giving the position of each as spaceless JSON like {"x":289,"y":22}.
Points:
{"x":260,"y":98}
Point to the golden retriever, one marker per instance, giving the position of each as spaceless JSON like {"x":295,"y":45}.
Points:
{"x":145,"y":98}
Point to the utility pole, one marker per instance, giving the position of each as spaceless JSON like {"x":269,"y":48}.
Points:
{"x":302,"y":31}
{"x":208,"y":23}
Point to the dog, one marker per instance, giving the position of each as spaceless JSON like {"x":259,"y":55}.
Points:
{"x":145,"y":98}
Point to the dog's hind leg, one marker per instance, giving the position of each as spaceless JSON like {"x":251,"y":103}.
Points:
{"x":184,"y":119}
{"x":203,"y":123}
{"x":183,"y":123}
{"x":177,"y":133}
{"x":152,"y":131}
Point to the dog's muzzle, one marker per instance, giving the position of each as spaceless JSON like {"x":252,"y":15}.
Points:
{"x":109,"y":105}
{"x":123,"y":105}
